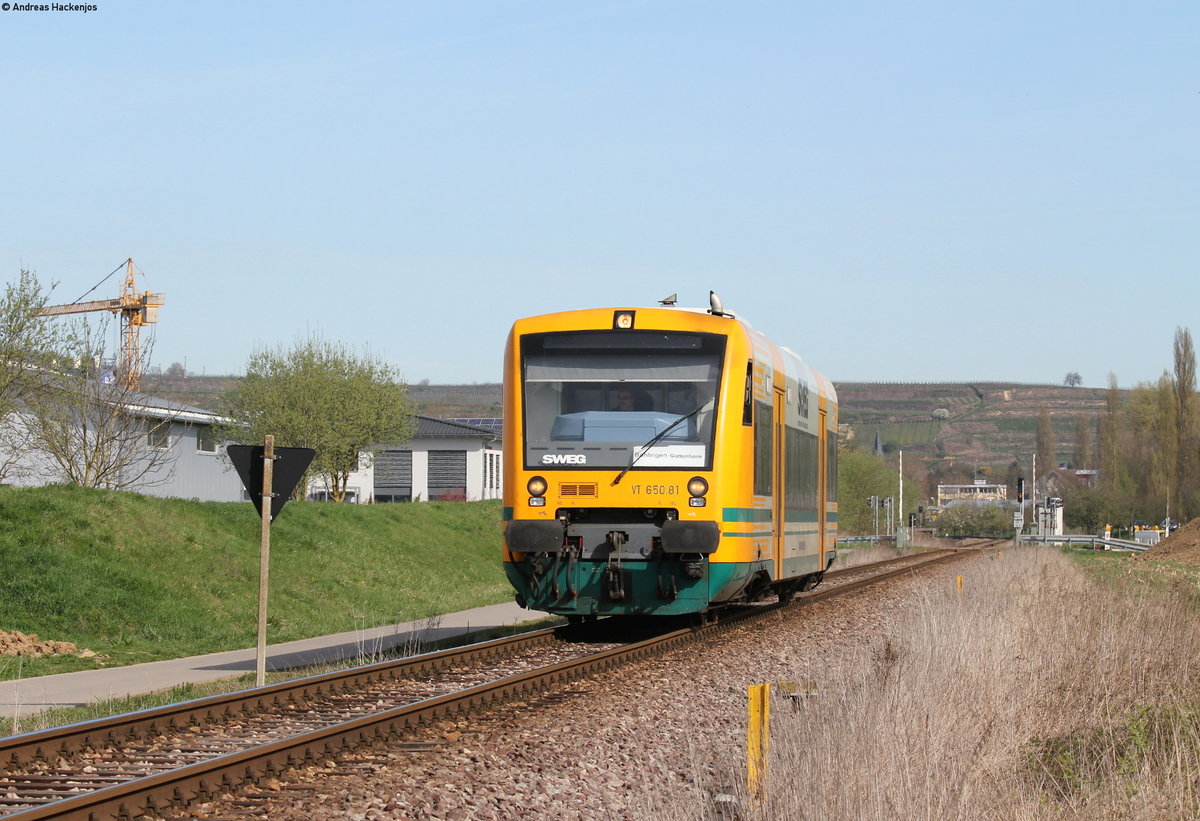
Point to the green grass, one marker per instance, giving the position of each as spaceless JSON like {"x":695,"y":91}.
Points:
{"x":136,"y":578}
{"x":898,"y":434}
{"x":1141,"y":740}
{"x":1126,"y":573}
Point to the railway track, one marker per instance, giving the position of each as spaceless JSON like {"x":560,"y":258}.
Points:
{"x":145,"y":763}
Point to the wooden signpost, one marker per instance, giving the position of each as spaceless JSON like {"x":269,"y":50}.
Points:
{"x":257,"y":469}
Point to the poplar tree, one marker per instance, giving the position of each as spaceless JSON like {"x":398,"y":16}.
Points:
{"x":1045,"y":447}
{"x":1082,"y":449}
{"x":1184,"y":488}
{"x":1109,"y":432}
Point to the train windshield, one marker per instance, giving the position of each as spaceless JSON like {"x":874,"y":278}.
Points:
{"x":597,"y":398}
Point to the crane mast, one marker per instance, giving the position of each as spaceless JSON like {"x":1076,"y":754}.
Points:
{"x":135,"y":311}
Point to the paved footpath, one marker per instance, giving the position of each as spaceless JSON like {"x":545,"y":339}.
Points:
{"x":86,"y":686}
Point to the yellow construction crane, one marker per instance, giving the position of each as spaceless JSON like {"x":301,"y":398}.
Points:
{"x":135,"y":311}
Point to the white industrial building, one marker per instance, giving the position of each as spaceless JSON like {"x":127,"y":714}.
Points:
{"x":182,"y":456}
{"x":446,"y":460}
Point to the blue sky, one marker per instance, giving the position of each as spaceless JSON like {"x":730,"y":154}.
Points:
{"x":904,"y":192}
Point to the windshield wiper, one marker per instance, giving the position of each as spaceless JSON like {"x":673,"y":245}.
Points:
{"x":644,"y":449}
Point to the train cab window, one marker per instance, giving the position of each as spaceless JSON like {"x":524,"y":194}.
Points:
{"x":595,"y":399}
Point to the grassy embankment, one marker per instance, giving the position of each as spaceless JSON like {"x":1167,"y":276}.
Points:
{"x":1051,"y":688}
{"x":136,"y":579}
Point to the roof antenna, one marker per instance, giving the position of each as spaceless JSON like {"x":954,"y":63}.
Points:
{"x":669,"y":301}
{"x":716,"y":307}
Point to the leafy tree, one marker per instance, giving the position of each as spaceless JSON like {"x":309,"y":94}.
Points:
{"x":862,"y":474}
{"x":27,"y":343}
{"x":27,"y":340}
{"x":320,"y":394}
{"x":1072,"y":380}
{"x":975,"y":520}
{"x":1148,"y":446}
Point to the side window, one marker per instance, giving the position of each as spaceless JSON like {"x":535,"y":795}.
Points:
{"x":158,"y":435}
{"x":763,"y":467}
{"x":206,"y":439}
{"x":831,"y":471}
{"x":748,"y":397}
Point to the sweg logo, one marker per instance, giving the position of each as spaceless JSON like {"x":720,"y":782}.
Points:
{"x":564,"y":459}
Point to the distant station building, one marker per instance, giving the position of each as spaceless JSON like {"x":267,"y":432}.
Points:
{"x":978,"y":492}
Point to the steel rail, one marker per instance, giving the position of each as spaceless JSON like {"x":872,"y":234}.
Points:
{"x":59,"y":742}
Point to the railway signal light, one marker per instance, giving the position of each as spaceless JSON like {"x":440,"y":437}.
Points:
{"x":1020,"y":490}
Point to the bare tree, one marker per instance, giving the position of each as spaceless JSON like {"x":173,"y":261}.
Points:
{"x":1072,"y":379}
{"x":92,"y":429}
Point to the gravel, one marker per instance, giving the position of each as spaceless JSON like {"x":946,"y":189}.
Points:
{"x":663,"y":739}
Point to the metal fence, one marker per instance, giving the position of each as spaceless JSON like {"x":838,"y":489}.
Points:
{"x":1095,"y":542}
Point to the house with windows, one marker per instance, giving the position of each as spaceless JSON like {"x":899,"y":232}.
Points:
{"x":446,"y":460}
{"x":149,"y":445}
{"x":190,"y":440}
{"x":979,"y":492}
{"x":173,"y":450}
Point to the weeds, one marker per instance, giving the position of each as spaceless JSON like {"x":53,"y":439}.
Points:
{"x":1039,"y":694}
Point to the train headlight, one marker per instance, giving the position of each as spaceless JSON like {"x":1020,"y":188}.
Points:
{"x":697,"y":487}
{"x":537,"y":491}
{"x":622,"y":320}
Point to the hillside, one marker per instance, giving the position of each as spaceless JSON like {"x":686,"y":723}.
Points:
{"x":978,"y":424}
{"x":136,"y":578}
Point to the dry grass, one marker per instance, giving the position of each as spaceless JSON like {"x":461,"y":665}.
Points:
{"x":1037,"y":694}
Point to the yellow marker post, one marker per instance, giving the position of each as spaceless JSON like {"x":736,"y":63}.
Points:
{"x":757,"y":736}
{"x":958,"y":585}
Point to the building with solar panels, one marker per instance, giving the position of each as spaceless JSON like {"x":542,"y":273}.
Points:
{"x":449,"y":460}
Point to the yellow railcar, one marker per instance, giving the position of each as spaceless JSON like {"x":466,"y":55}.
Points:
{"x":662,"y":461}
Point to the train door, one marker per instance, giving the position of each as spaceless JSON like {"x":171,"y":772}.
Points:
{"x":822,"y":482}
{"x":779,"y":475}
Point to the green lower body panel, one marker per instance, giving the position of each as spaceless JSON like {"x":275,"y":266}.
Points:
{"x":802,"y":565}
{"x":591,"y":588}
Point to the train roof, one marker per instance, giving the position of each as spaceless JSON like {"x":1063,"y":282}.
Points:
{"x":794,"y":365}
